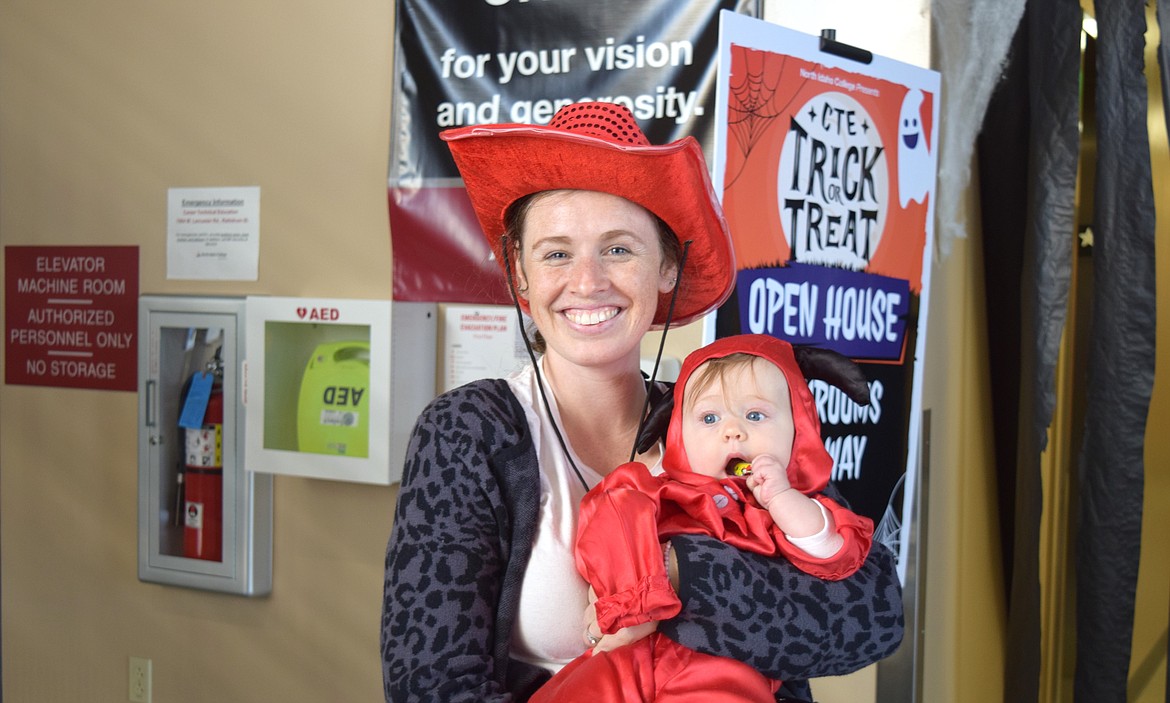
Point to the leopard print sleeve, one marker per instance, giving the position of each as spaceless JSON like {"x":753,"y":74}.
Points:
{"x":787,"y":624}
{"x":448,"y":554}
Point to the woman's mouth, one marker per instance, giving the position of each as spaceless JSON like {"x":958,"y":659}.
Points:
{"x":588,"y":318}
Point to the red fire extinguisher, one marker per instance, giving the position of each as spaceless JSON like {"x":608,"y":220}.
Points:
{"x":201,"y":476}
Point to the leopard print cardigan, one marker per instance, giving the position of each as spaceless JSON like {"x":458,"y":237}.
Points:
{"x":462,"y":534}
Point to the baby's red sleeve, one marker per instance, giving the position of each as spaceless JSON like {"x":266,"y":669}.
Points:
{"x":618,"y":550}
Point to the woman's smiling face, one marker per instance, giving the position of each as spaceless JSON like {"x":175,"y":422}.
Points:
{"x":591,"y":268}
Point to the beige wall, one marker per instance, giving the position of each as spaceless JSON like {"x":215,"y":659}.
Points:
{"x":106,"y":105}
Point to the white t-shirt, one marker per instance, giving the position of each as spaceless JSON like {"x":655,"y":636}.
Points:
{"x":553,"y":598}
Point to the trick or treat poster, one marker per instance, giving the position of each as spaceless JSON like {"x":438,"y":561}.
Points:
{"x":826,"y":160}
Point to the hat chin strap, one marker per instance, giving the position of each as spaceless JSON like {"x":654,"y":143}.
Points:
{"x":535,"y":364}
{"x":682,"y":264}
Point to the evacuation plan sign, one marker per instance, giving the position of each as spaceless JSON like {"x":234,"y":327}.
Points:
{"x":71,"y":316}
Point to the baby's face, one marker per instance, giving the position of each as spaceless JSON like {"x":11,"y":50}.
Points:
{"x":739,"y":416}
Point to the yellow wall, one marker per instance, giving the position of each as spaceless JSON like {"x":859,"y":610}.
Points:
{"x":106,"y":105}
{"x":964,"y":629}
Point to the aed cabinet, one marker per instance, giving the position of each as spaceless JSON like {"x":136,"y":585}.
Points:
{"x":334,"y":386}
{"x":204,"y":519}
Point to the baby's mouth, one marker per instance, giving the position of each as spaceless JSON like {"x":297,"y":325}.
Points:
{"x":737,"y":466}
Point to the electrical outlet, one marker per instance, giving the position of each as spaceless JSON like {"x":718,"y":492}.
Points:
{"x":139,"y":680}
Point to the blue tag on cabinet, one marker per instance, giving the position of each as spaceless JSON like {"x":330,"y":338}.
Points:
{"x":195,"y":406}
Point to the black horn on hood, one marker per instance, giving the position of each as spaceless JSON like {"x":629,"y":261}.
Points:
{"x":834,"y":368}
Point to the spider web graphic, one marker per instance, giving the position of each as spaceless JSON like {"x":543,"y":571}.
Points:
{"x":754,"y":103}
{"x":889,"y":529}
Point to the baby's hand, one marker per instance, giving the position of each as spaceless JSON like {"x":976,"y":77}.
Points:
{"x":768,"y":479}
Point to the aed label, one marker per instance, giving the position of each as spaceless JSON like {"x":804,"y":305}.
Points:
{"x":331,"y":314}
{"x":343,"y":395}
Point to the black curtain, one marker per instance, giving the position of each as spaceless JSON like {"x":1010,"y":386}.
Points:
{"x":1121,"y":359}
{"x":1003,"y":188}
{"x":1028,"y":154}
{"x":1029,"y":228}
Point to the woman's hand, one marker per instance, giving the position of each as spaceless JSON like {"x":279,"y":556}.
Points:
{"x":624,"y":636}
{"x":599,"y":642}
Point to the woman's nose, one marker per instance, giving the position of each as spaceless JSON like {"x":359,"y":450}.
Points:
{"x":588,"y":275}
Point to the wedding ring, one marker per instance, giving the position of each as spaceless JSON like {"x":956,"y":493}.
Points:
{"x":590,"y":638}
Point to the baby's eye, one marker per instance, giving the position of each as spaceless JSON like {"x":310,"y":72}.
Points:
{"x":755,"y":416}
{"x":710,"y":418}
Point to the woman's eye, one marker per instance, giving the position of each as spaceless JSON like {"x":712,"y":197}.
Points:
{"x":619,"y":251}
{"x":755,"y":416}
{"x":710,"y":419}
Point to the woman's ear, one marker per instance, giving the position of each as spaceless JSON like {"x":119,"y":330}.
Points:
{"x":667,"y":278}
{"x":521,"y":281}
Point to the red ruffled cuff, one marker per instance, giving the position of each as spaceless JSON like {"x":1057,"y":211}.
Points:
{"x":651,"y":598}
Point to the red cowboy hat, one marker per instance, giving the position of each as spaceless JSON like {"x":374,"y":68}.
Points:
{"x":598,"y":146}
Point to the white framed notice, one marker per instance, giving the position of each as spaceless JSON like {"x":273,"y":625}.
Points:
{"x":213,"y":233}
{"x":480,"y":341}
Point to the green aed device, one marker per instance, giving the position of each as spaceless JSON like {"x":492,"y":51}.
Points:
{"x":333,"y":409}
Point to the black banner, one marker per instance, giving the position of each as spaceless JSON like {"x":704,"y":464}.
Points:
{"x":463,"y":62}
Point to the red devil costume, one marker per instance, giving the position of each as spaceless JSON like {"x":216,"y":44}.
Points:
{"x":625,"y":519}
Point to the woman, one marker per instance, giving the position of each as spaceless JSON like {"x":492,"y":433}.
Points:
{"x":602,"y":236}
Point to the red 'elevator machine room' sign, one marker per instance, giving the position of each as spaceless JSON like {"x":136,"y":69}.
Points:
{"x":71,"y":316}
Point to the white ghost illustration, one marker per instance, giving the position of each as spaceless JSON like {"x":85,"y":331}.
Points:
{"x":915,"y":172}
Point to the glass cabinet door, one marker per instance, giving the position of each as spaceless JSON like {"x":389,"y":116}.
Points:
{"x":204,"y":520}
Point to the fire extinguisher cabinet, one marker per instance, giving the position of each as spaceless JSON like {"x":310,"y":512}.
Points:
{"x":204,"y":520}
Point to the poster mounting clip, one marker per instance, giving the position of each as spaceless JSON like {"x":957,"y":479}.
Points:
{"x":829,"y":44}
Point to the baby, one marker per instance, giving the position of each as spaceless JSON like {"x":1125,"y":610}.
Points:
{"x":745,"y":463}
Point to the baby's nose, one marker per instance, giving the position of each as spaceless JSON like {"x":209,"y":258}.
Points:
{"x":733,"y":430}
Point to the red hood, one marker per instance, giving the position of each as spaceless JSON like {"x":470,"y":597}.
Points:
{"x":810,"y":466}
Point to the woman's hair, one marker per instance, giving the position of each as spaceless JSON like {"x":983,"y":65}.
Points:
{"x":517,"y":214}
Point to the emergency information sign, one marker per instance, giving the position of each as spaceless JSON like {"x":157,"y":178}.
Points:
{"x":71,"y":316}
